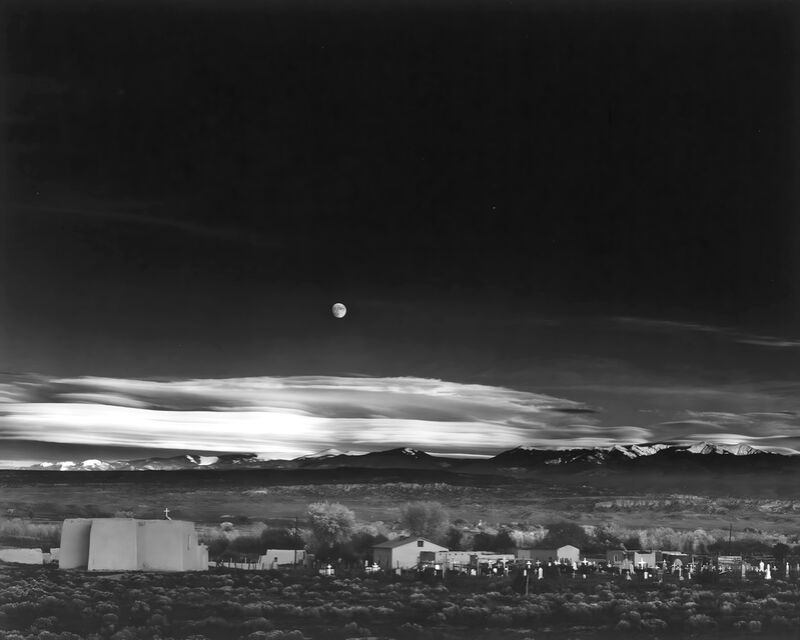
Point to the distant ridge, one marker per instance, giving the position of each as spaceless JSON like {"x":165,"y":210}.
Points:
{"x":522,"y":457}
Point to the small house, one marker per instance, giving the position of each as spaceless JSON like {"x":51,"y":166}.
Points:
{"x":405,"y":553}
{"x":564,"y":555}
{"x":568,"y":554}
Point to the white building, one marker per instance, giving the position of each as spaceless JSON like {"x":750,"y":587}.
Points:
{"x":282,"y":557}
{"x":645,"y":559}
{"x":454,"y":560}
{"x":125,"y":544}
{"x":564,"y":555}
{"x":21,"y":556}
{"x":405,"y":553}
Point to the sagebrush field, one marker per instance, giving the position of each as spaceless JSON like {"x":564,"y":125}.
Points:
{"x":48,"y":604}
{"x":49,"y":497}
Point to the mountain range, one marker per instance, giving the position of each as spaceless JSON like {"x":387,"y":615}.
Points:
{"x":519,"y":459}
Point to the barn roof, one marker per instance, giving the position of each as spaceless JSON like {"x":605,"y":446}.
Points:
{"x":400,"y":542}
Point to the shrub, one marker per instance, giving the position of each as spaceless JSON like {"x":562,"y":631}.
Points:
{"x":500,"y":620}
{"x":654,"y":624}
{"x":257,"y":624}
{"x":701,"y":622}
{"x":410,"y":630}
{"x":780,"y":622}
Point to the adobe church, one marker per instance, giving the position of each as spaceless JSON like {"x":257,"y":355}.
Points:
{"x":125,"y":544}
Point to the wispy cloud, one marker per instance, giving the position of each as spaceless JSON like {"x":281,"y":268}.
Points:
{"x":290,"y":416}
{"x":733,"y":334}
{"x":293,"y":416}
{"x":115,"y":213}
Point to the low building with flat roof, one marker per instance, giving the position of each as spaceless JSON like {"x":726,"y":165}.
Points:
{"x":274,"y":558}
{"x":126,"y":544}
{"x":566,"y":554}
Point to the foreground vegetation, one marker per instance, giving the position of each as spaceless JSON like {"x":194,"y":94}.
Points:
{"x":47,"y":604}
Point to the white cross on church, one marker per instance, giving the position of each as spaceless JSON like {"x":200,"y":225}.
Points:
{"x":166,"y":513}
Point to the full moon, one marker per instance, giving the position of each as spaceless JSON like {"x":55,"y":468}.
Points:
{"x":339,"y":310}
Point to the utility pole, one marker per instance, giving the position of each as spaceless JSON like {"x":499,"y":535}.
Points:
{"x":295,"y":541}
{"x":730,"y":538}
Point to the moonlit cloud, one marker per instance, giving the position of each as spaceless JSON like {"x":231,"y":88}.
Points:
{"x":289,"y":417}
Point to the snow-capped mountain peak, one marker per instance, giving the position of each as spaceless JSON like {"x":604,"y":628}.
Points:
{"x":524,"y":456}
{"x":330,"y":453}
{"x":647,"y":449}
{"x":624,"y":451}
{"x":739,"y":449}
{"x":95,"y":465}
{"x":325,"y":453}
{"x":202,"y":461}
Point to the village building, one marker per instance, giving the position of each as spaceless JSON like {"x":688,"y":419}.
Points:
{"x":455,"y":560}
{"x":646,"y":559}
{"x":275,"y":558}
{"x":22,"y":556}
{"x":405,"y":553}
{"x":126,"y":544}
{"x":620,"y":558}
{"x":563,"y":555}
{"x":636,"y":559}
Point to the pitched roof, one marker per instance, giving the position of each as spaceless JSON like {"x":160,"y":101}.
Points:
{"x":399,"y":542}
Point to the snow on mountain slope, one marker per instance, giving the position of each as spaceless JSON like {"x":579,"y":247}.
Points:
{"x":415,"y":458}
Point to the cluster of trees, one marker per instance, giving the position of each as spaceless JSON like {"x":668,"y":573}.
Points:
{"x":332,"y":531}
{"x":689,"y":541}
{"x":17,"y":532}
{"x":248,"y":546}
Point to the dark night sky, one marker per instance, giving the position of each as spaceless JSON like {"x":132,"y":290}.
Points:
{"x":552,"y":197}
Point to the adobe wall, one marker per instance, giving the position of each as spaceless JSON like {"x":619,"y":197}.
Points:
{"x":202,"y":558}
{"x":74,"y":550}
{"x":125,"y":544}
{"x":164,"y":544}
{"x":195,"y":555}
{"x":113,"y":545}
{"x":22,"y":556}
